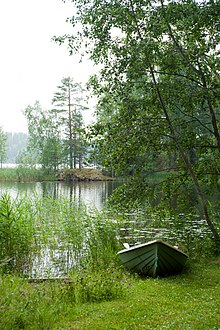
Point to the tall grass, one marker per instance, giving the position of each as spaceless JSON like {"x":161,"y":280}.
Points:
{"x":16,"y":234}
{"x":78,"y":239}
{"x":49,"y":305}
{"x":24,"y":174}
{"x":47,"y":238}
{"x":8,"y":174}
{"x":45,"y":234}
{"x":57,"y":235}
{"x":102,"y":242}
{"x":51,"y":238}
{"x":30,"y":306}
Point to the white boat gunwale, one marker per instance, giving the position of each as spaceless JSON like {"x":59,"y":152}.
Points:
{"x":159,"y":241}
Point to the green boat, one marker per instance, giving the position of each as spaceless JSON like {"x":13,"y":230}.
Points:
{"x":155,"y":258}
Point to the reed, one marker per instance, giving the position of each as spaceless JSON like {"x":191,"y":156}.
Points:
{"x":34,"y":230}
{"x":102,"y":241}
{"x":79,"y":238}
{"x":8,"y":174}
{"x":82,"y":247}
{"x":48,"y":237}
{"x":16,"y":234}
{"x":24,"y":174}
{"x":86,"y":241}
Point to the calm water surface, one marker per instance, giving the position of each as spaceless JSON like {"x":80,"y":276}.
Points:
{"x":92,"y":194}
{"x":137,"y":229}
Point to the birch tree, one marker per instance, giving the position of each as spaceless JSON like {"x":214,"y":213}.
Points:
{"x":161,"y":59}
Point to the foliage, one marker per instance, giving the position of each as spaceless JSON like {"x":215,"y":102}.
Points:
{"x":68,"y":101}
{"x":83,"y":174}
{"x":16,"y":234}
{"x":160,"y":76}
{"x":16,"y":144}
{"x":44,"y":145}
{"x":8,"y":174}
{"x":3,"y":146}
{"x":56,"y":136}
{"x":24,"y":173}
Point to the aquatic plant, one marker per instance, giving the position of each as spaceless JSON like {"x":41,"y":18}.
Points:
{"x":16,"y":234}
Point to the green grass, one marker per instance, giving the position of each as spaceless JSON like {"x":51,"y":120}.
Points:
{"x":32,"y":227}
{"x":8,"y":174}
{"x":16,"y":234}
{"x":187,"y":301}
{"x":28,"y":174}
{"x":23,"y":174}
{"x":98,"y":293}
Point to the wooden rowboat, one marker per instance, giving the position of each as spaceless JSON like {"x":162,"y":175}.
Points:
{"x":155,"y":258}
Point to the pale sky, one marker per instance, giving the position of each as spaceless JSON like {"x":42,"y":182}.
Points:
{"x":31,"y":65}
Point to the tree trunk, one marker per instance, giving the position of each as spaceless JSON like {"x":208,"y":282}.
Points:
{"x":70,"y":132}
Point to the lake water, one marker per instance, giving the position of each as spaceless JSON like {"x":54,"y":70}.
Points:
{"x":92,"y":194}
{"x":137,"y":229}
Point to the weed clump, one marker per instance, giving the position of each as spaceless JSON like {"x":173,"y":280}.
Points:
{"x":102,"y":285}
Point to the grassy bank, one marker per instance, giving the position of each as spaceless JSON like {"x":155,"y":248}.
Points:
{"x":187,"y":301}
{"x":21,"y":174}
{"x":41,"y":235}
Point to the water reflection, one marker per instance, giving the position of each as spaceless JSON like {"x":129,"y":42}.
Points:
{"x":92,"y":194}
{"x":55,"y":261}
{"x":188,"y":231}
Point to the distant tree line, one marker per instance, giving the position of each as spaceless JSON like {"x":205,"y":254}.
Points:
{"x":56,"y":137}
{"x":16,"y":143}
{"x":11,"y":145}
{"x":3,"y":149}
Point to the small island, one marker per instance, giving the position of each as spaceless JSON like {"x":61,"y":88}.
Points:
{"x":84,"y":174}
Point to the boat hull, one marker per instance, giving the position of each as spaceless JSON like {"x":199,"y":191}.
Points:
{"x":155,"y":258}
